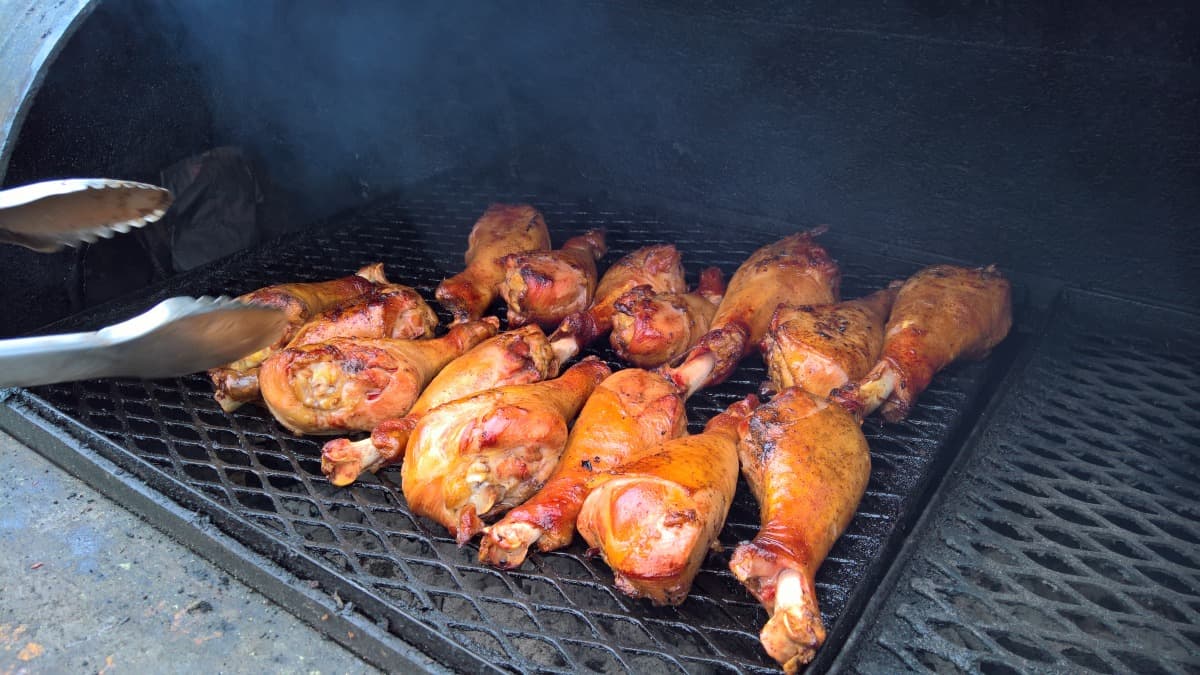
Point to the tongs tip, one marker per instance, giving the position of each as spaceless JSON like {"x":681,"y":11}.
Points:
{"x":49,"y":215}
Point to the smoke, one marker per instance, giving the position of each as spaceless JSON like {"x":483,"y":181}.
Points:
{"x":344,"y":101}
{"x":949,"y":126}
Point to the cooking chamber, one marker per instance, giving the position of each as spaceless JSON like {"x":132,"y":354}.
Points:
{"x":1056,"y":141}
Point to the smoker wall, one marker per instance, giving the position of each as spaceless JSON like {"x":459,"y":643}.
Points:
{"x":1053,"y":138}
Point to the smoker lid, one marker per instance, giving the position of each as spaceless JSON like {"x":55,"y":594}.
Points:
{"x":34,"y":34}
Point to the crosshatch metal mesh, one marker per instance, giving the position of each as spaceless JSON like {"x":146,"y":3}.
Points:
{"x":1072,"y":542}
{"x":560,"y":612}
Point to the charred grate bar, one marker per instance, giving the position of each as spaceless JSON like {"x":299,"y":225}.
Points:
{"x":560,"y":612}
{"x":1072,"y":541}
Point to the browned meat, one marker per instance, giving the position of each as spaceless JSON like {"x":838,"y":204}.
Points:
{"x":807,"y":463}
{"x":544,"y":287}
{"x":350,"y":384}
{"x":657,"y":266}
{"x":631,"y":411}
{"x":650,"y":329}
{"x":521,"y":356}
{"x":822,"y":347}
{"x":237,"y":383}
{"x":794,"y":269}
{"x":386,"y":311}
{"x":501,"y":230}
{"x":655,"y":517}
{"x":479,"y":456}
{"x":942,"y":314}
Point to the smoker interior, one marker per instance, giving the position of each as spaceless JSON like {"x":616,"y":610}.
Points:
{"x":1037,"y":509}
{"x":1058,"y":140}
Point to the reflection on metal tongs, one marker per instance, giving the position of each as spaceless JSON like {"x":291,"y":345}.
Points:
{"x":47,"y":216}
{"x":175,"y":337}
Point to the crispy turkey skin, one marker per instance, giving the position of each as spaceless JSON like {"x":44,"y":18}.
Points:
{"x":650,"y":329}
{"x":237,"y":382}
{"x":349,"y":384}
{"x":941,"y":314}
{"x":655,"y":517}
{"x":482,"y":455}
{"x":520,"y":356}
{"x":822,"y":347}
{"x":544,"y":287}
{"x":807,"y":463}
{"x":501,"y":230}
{"x":659,"y":266}
{"x":794,"y":269}
{"x":630,"y":411}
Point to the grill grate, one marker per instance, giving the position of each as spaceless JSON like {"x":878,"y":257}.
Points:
{"x":1073,"y":540}
{"x":559,"y":613}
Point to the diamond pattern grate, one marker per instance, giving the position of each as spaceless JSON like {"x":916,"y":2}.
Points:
{"x":560,"y":612}
{"x":1073,"y":540}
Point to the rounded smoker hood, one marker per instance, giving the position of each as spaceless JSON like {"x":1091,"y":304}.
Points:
{"x":38,"y":32}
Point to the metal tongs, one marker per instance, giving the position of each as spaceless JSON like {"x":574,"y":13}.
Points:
{"x":47,"y":216}
{"x":175,"y":337}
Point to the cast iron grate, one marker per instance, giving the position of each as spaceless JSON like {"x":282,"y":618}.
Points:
{"x":1073,"y":540}
{"x":560,"y":612}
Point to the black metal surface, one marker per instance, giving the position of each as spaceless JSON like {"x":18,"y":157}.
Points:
{"x":559,"y":612}
{"x":1072,"y":540}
